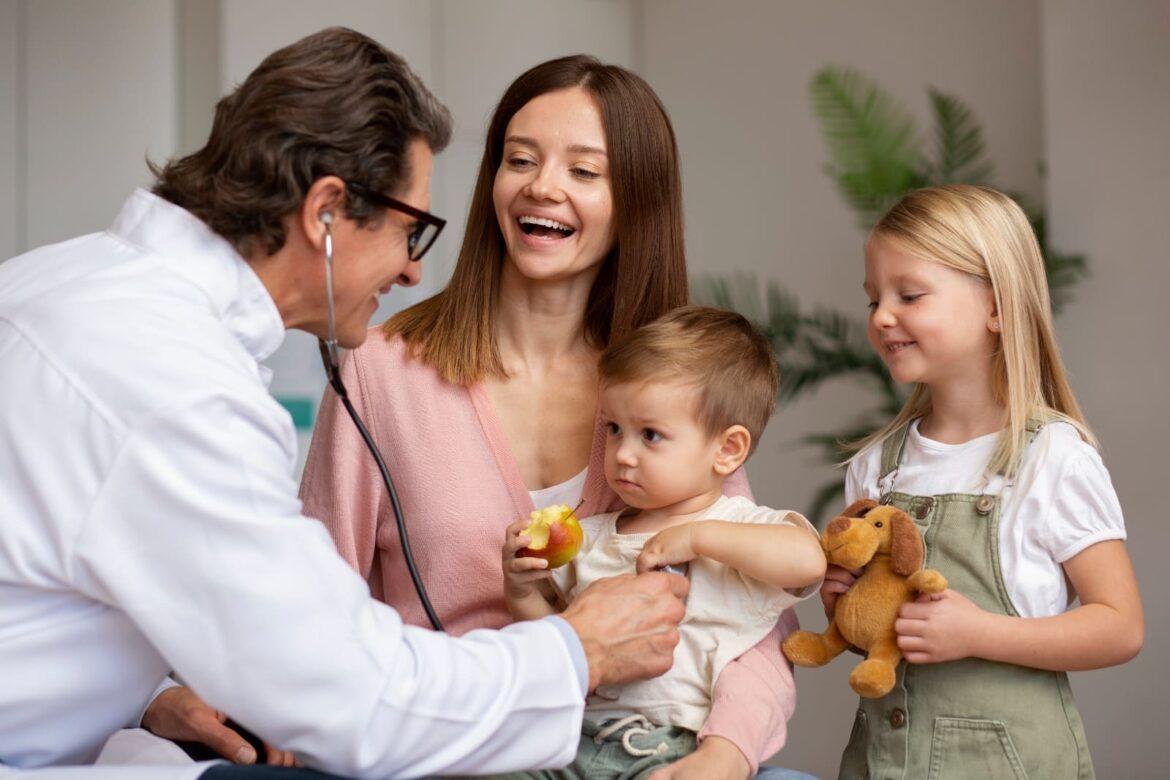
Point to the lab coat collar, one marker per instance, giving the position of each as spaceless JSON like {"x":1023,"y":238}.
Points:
{"x":189,"y":248}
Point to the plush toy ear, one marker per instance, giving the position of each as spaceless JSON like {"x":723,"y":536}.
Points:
{"x":859,"y":507}
{"x":907,"y":552}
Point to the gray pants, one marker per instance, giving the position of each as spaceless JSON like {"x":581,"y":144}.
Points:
{"x":614,"y":756}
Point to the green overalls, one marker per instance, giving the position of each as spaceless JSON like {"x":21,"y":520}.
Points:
{"x":971,"y":718}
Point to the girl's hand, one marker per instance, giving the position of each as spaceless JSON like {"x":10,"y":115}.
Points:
{"x":521,"y":574}
{"x":940,"y":627}
{"x":715,"y":759}
{"x":670,"y":545}
{"x":837,"y":582}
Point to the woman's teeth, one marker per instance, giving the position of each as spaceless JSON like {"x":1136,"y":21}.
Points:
{"x":544,"y":228}
{"x":898,"y":346}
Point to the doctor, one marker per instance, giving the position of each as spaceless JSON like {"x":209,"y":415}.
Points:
{"x":149,"y":519}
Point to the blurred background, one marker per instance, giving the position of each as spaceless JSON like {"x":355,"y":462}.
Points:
{"x":1068,"y":100}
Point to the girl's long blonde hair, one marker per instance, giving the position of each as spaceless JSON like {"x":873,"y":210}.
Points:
{"x":984,"y":233}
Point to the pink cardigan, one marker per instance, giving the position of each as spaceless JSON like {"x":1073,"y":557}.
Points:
{"x":460,"y":487}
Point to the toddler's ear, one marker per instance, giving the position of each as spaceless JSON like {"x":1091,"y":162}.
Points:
{"x":735,"y":443}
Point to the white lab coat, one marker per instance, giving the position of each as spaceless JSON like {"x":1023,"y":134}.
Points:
{"x":149,"y":521}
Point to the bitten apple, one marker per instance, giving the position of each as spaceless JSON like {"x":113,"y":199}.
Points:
{"x":555,"y":533}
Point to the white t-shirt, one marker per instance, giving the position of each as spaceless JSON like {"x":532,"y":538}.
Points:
{"x":727,"y":613}
{"x":568,"y":492}
{"x":1062,"y":502}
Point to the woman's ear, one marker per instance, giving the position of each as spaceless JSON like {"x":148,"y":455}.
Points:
{"x":734,"y":445}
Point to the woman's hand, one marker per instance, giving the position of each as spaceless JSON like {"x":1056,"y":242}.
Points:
{"x":521,"y":574}
{"x":669,"y":546}
{"x":715,"y":759}
{"x":941,"y":627}
{"x":179,"y":714}
{"x":837,"y":581}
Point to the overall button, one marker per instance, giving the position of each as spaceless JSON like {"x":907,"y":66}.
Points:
{"x":898,"y":718}
{"x":984,"y":505}
{"x":924,"y":509}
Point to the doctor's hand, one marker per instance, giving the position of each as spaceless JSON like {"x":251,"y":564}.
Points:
{"x":179,"y":714}
{"x":628,"y":625}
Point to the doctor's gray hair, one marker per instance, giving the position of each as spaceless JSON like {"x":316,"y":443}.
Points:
{"x":333,"y":103}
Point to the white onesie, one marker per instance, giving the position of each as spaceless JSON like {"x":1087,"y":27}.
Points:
{"x":727,"y":613}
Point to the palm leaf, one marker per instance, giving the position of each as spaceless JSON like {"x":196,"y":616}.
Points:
{"x":959,"y":151}
{"x":829,"y":345}
{"x":872,"y":141}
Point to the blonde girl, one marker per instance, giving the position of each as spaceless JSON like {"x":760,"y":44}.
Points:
{"x":993,"y":459}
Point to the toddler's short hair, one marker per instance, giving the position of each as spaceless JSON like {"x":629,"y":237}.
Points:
{"x":728,"y":361}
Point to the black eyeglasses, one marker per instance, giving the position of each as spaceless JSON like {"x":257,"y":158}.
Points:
{"x":425,"y":231}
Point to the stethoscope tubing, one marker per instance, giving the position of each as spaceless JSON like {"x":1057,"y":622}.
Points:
{"x":329,"y":358}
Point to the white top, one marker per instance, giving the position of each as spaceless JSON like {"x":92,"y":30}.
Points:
{"x":1061,"y":503}
{"x":568,"y":492}
{"x":150,"y":522}
{"x":727,"y":613}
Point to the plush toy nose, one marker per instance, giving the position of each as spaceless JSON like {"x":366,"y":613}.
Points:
{"x":838,"y":525}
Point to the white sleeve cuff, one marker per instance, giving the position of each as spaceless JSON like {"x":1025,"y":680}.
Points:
{"x":576,"y":651}
{"x":166,"y":684}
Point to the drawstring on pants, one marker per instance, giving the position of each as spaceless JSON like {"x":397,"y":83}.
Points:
{"x":643,"y":727}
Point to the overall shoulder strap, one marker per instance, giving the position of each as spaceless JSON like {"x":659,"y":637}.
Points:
{"x":892,"y":450}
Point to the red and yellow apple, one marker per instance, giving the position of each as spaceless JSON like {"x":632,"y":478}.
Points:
{"x":555,"y":535}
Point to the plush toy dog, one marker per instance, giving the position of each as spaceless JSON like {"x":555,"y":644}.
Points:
{"x":886,"y":542}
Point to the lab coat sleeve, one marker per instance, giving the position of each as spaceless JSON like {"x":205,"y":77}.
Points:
{"x":197,"y":536}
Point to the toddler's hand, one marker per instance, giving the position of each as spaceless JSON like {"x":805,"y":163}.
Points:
{"x":837,"y":581}
{"x":670,"y":545}
{"x":521,"y":574}
{"x":940,"y":627}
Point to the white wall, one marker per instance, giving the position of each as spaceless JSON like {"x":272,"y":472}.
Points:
{"x":100,"y":96}
{"x":1107,"y":123}
{"x":11,"y":125}
{"x":88,"y":90}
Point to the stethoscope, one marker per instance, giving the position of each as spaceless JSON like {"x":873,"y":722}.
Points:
{"x":329,"y":358}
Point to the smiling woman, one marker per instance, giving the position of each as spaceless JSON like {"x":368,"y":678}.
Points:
{"x":585,"y":146}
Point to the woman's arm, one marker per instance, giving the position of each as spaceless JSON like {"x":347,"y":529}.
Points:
{"x":755,"y":695}
{"x":1107,"y":629}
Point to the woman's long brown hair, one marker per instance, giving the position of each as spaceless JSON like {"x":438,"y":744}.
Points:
{"x":644,"y":275}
